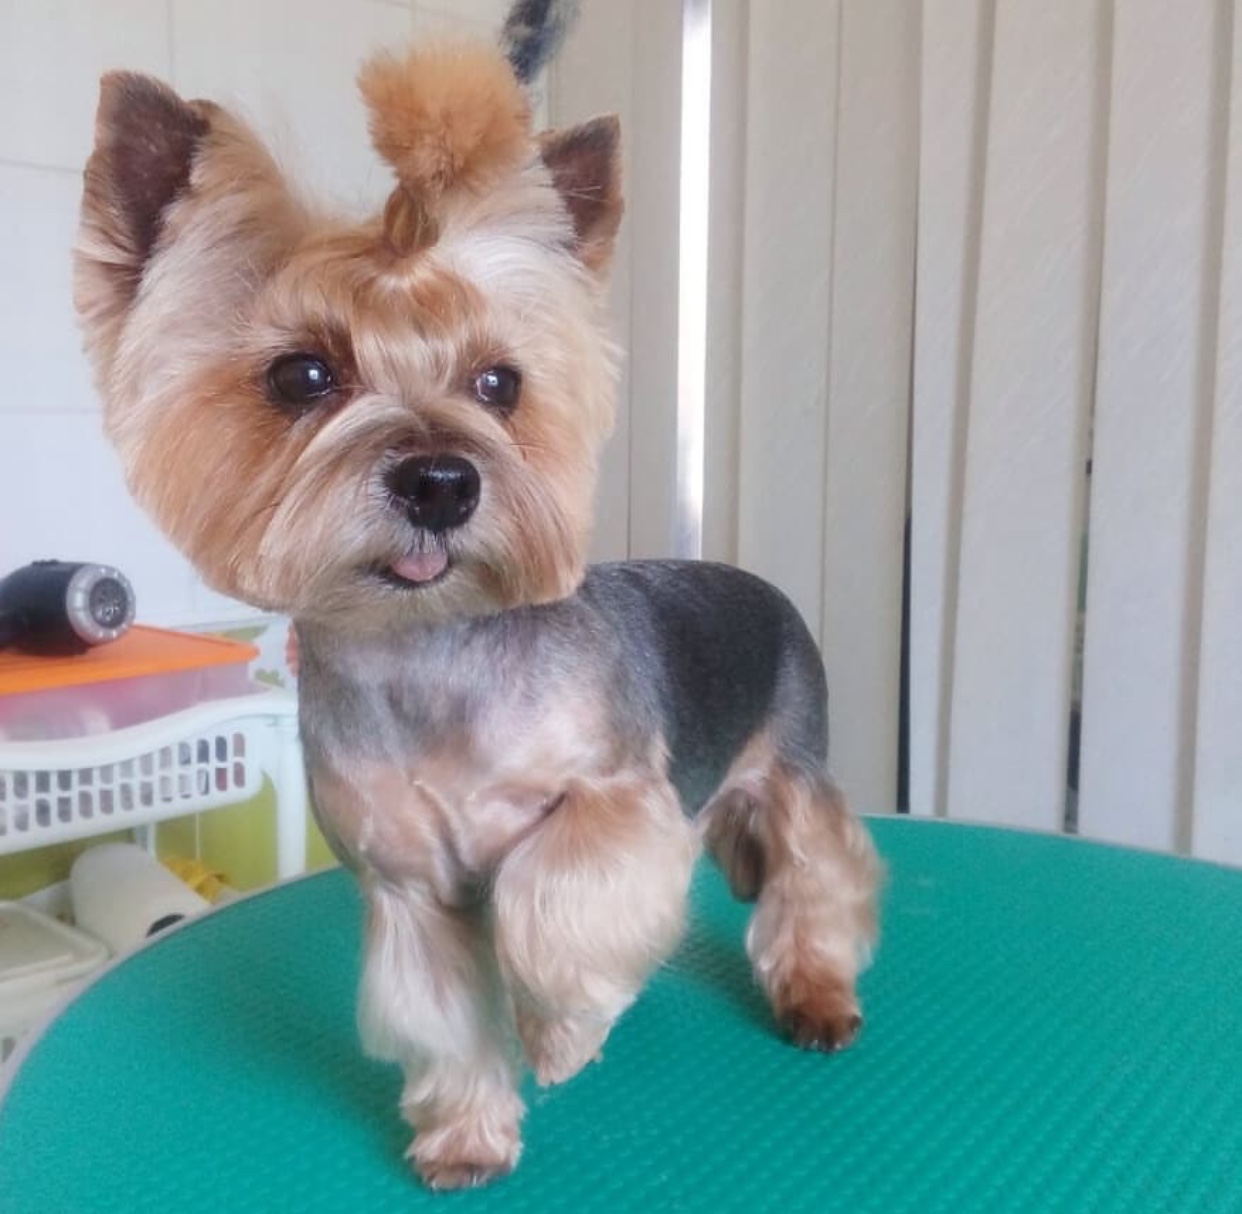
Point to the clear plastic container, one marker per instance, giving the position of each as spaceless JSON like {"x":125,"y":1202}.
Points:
{"x":147,"y":674}
{"x":42,"y":962}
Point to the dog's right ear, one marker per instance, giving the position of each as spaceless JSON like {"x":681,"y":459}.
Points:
{"x":146,"y":139}
{"x":164,"y":169}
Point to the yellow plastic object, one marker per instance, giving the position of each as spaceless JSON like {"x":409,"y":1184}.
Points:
{"x":141,"y":652}
{"x":205,"y":882}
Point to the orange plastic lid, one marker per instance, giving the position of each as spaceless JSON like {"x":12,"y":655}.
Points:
{"x":141,"y":651}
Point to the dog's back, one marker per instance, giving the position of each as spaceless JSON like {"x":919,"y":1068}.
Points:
{"x":728,"y":654}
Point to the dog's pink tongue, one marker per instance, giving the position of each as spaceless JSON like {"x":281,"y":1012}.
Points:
{"x":421,"y":566}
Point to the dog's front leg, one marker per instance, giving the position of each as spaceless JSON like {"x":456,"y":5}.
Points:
{"x":431,"y":1000}
{"x":585,"y":907}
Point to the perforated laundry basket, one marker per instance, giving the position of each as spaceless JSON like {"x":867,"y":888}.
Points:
{"x":57,"y":791}
{"x":107,"y":739}
{"x":200,"y":759}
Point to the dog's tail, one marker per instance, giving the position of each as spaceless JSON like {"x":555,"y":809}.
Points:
{"x":533,"y":33}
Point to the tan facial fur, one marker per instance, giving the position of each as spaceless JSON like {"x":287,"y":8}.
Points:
{"x":186,"y":310}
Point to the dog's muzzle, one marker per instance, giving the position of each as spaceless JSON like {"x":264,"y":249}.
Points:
{"x":439,"y":492}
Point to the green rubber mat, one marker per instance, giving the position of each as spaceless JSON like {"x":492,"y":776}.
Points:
{"x":1051,"y":1026}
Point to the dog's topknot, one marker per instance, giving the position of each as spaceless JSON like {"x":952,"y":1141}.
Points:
{"x":451,"y":118}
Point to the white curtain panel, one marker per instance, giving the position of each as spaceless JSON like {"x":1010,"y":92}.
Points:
{"x":974,"y":361}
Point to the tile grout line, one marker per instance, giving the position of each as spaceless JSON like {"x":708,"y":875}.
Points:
{"x":170,"y":21}
{"x":11,"y":162}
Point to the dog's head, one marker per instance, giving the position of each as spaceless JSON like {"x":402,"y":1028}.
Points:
{"x":392,"y":419}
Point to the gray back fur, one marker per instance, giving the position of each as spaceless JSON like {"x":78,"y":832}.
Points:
{"x":697,"y":654}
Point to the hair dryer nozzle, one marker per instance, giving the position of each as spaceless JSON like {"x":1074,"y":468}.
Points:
{"x":61,"y":607}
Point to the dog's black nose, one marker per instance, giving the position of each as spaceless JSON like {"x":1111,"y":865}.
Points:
{"x":439,"y":491}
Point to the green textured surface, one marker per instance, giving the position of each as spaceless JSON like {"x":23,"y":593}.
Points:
{"x":1051,"y":1026}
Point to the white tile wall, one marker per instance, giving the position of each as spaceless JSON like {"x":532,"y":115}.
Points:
{"x":431,"y":24}
{"x":488,"y":13}
{"x":291,"y":65}
{"x":52,"y":53}
{"x":40,"y":350}
{"x":61,"y":495}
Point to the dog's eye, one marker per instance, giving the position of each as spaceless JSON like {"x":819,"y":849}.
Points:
{"x":498,"y":388}
{"x":299,"y":380}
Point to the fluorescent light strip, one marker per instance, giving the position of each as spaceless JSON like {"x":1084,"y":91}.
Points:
{"x":696,"y":116}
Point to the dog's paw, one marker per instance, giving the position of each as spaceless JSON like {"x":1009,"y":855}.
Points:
{"x":558,"y":1048}
{"x":465,"y":1154}
{"x":818,"y":1015}
{"x":446,"y":1174}
{"x":826,"y":1034}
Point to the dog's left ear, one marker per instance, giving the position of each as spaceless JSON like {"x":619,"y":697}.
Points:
{"x":585,"y":163}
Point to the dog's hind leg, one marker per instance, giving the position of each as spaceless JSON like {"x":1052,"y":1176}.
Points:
{"x":782,"y":833}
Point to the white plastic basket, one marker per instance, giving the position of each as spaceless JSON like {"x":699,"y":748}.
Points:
{"x":40,"y":805}
{"x":200,"y":759}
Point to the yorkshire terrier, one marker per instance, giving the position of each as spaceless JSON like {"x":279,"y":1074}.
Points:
{"x":389,"y":430}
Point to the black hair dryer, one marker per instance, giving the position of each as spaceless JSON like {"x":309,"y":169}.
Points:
{"x":64,"y":607}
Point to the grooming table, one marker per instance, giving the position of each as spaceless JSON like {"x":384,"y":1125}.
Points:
{"x":1051,"y":1026}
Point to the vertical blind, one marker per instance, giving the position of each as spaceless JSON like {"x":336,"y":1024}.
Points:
{"x":973,"y":374}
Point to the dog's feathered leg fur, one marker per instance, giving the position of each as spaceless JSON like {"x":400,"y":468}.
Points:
{"x":585,"y":908}
{"x":431,"y":1001}
{"x":785,"y":839}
